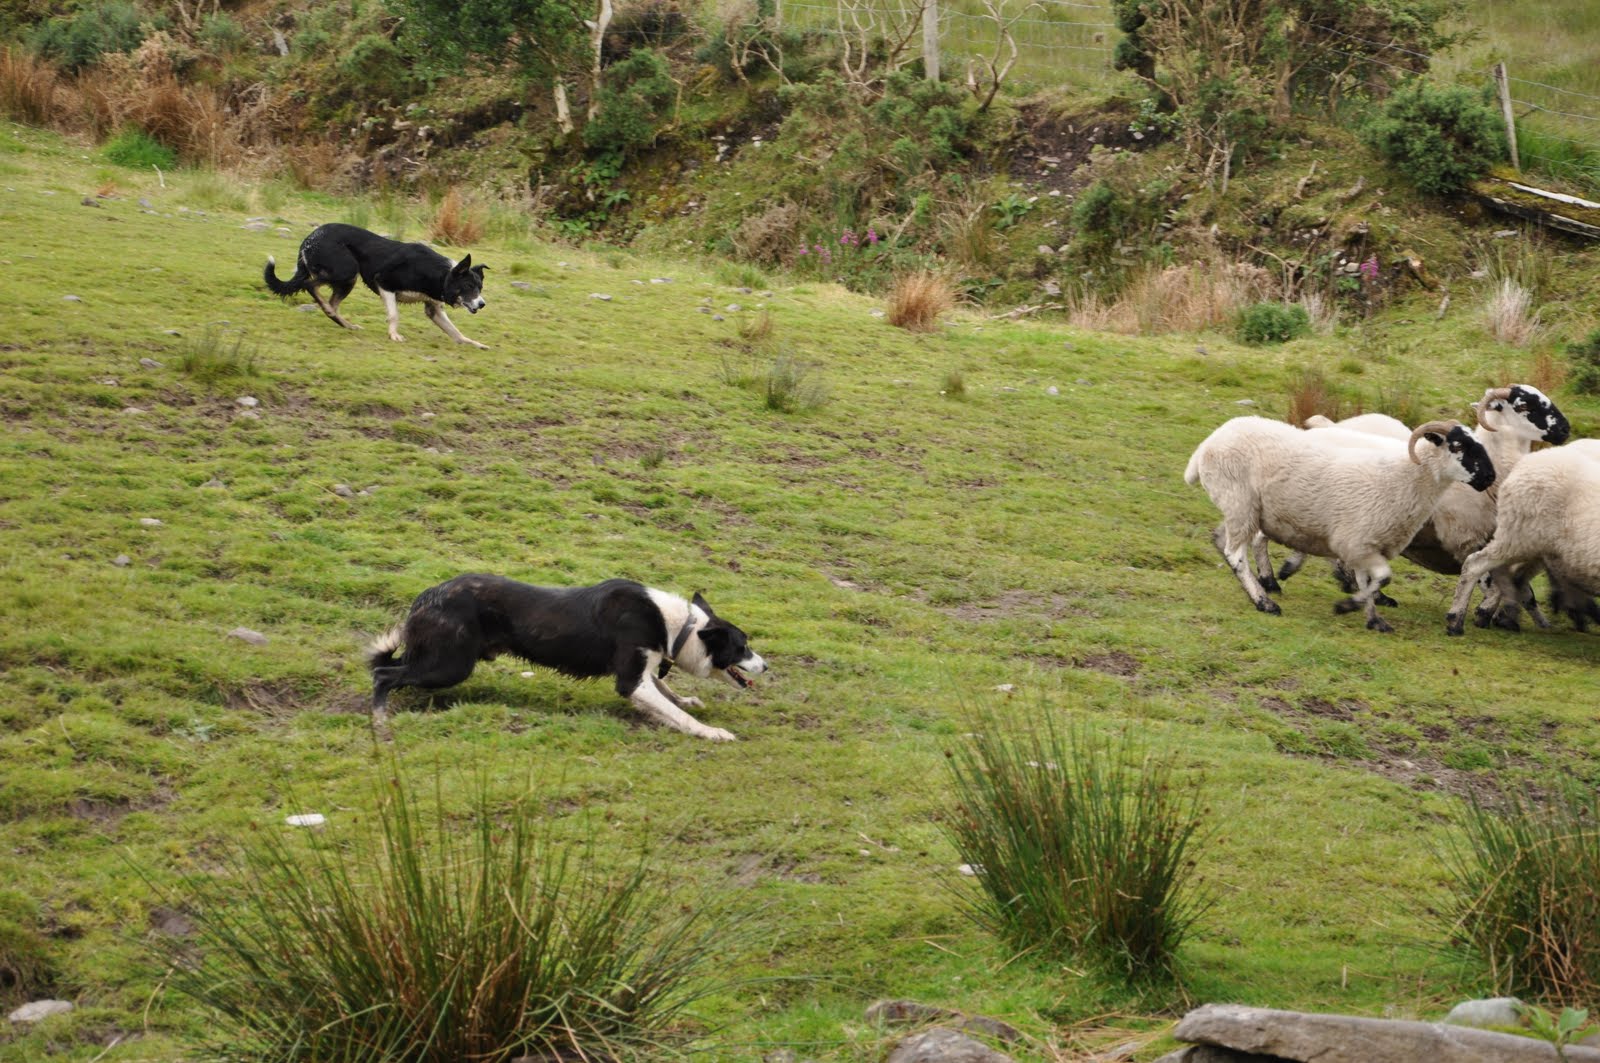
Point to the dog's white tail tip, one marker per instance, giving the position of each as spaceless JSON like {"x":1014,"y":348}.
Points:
{"x":385,"y":643}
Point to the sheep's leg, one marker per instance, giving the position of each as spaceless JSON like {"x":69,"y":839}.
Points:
{"x":1236,"y":543}
{"x":1474,"y":568}
{"x":1264,"y":576}
{"x":1370,"y":581}
{"x":1291,"y":565}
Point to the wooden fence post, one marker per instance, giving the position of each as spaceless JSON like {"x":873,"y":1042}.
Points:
{"x":1503,"y":84}
{"x":930,"y":39}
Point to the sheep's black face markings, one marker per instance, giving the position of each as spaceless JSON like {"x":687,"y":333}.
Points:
{"x":1473,"y":457}
{"x":1541,"y":413}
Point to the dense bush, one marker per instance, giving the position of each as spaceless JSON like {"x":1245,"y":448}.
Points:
{"x":78,"y":40}
{"x":1524,"y":897}
{"x":135,"y":148}
{"x":1273,"y":323}
{"x":635,"y":100}
{"x":1439,"y":138}
{"x":222,"y":34}
{"x":1081,"y":845}
{"x":415,"y":936}
{"x":1585,"y":358}
{"x":374,"y":68}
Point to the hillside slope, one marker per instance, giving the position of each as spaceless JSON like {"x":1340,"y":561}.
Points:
{"x":997,"y":503}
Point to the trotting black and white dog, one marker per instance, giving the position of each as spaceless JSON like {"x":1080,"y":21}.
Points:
{"x":336,"y":255}
{"x":618,"y":628}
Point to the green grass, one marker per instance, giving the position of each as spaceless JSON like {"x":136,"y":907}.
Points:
{"x":894,"y":555}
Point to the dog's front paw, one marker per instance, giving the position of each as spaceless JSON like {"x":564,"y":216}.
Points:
{"x":397,"y":337}
{"x":717,"y":734}
{"x":693,"y":703}
{"x":480,"y":346}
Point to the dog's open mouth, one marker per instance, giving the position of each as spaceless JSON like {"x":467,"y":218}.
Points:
{"x":737,"y":676}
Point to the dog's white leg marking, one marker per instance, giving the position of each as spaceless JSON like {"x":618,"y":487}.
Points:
{"x":392,"y":305}
{"x":436,"y":314}
{"x":681,"y":702}
{"x":655,"y":705}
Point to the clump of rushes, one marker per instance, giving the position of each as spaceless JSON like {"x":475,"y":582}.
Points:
{"x":1081,"y":845}
{"x":416,"y":936}
{"x":1525,"y":894}
{"x":918,"y":299}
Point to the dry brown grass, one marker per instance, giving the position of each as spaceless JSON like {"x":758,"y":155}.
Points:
{"x":1546,"y":372}
{"x":917,"y":300}
{"x":28,"y":87}
{"x":456,"y":222}
{"x":1185,"y":298}
{"x":1509,"y":314}
{"x":106,"y":191}
{"x":756,"y":329}
{"x":770,"y":237}
{"x":1312,"y":395}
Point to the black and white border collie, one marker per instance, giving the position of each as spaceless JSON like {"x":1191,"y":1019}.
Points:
{"x":336,"y":255}
{"x":618,"y":628}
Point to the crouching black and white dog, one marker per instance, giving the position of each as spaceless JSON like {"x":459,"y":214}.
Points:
{"x":336,"y":255}
{"x":617,"y":628}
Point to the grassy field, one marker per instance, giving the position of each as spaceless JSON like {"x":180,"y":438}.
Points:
{"x":895,"y":553}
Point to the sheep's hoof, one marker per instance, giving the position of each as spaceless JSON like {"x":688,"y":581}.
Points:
{"x":1378,"y":623}
{"x":1285,"y":570}
{"x":1506,"y":622}
{"x":1482,"y":617}
{"x":1348,"y":605}
{"x":1271,"y":586}
{"x":1384,"y":599}
{"x":1452,"y":624}
{"x":1268,"y":606}
{"x":1580,"y":622}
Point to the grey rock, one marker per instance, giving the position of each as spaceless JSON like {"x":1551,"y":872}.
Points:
{"x":150,"y":363}
{"x":248,"y":402}
{"x":308,"y":308}
{"x":743,"y":291}
{"x":1300,"y":1037}
{"x":244,"y":634}
{"x":40,"y":1009}
{"x":248,"y":415}
{"x":521,"y":285}
{"x":875,"y":312}
{"x":1046,"y":250}
{"x":703,"y":309}
{"x":343,"y":491}
{"x":256,"y":226}
{"x":718,"y":317}
{"x":660,"y":280}
{"x":122,"y":560}
{"x":1116,"y":1053}
{"x":133,"y":410}
{"x":599,"y":296}
{"x":901,"y":1012}
{"x":72,"y":298}
{"x":150,"y":522}
{"x":213,"y":483}
{"x":734,"y":308}
{"x":89,"y":201}
{"x":941,"y":1045}
{"x":145,"y":203}
{"x":1245,"y":402}
{"x":1213,"y":1054}
{"x":1082,"y":383}
{"x":764,"y":295}
{"x":1052,"y":390}
{"x":1494,"y":1011}
{"x":171,"y":922}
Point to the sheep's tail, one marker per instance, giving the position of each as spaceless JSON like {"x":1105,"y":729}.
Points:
{"x":381,"y":651}
{"x":296,"y":283}
{"x":1191,"y":475}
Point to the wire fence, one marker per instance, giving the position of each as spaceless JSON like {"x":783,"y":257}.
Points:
{"x":1071,"y":42}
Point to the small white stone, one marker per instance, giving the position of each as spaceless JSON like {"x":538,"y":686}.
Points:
{"x":527,"y":675}
{"x":244,"y":634}
{"x":248,"y":415}
{"x":40,"y":1009}
{"x":132,"y":410}
{"x":875,"y":312}
{"x":150,"y":363}
{"x":734,"y":308}
{"x":1245,"y":402}
{"x":306,"y":819}
{"x":343,"y":491}
{"x":248,"y":402}
{"x":970,"y":869}
{"x":521,"y":285}
{"x":1005,"y":688}
{"x":1052,"y":390}
{"x":150,"y":522}
{"x":72,"y":298}
{"x":122,"y":560}
{"x":599,"y":296}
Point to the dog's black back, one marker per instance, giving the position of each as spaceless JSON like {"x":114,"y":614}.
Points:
{"x":337,"y":254}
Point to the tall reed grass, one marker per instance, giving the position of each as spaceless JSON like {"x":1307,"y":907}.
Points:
{"x":917,"y":300}
{"x":1525,"y":894}
{"x":415,"y":936}
{"x":1082,"y":845}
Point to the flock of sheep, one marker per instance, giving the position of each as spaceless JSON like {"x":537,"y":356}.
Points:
{"x":1476,"y":502}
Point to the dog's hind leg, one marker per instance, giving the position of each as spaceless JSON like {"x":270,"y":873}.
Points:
{"x":436,"y":314}
{"x":341,"y":292}
{"x":331,"y":308}
{"x":633,"y":665}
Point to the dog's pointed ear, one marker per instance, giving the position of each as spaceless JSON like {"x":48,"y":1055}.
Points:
{"x":463,"y":266}
{"x":700,"y":602}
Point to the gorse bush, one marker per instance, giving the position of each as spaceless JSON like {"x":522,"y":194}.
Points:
{"x":1081,"y":844}
{"x":1439,"y":138}
{"x":1273,"y":323}
{"x":1585,"y":360}
{"x":635,"y":100}
{"x":417,"y":936}
{"x":1525,"y":895}
{"x":80,"y":39}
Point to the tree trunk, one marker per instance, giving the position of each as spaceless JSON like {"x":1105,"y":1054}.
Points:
{"x":597,"y":43}
{"x":563,"y":109}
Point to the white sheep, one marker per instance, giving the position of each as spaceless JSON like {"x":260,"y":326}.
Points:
{"x":1549,"y":513}
{"x":1361,"y":507}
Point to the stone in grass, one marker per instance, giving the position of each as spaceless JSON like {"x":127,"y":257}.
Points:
{"x":133,"y":410}
{"x":122,"y":560}
{"x":72,"y":298}
{"x":521,"y":286}
{"x":306,"y":819}
{"x":248,"y":402}
{"x":343,"y":491}
{"x":150,"y":363}
{"x":213,"y":483}
{"x":941,"y":1045}
{"x":1494,"y":1011}
{"x":40,"y":1009}
{"x":600,"y":296}
{"x":244,"y":634}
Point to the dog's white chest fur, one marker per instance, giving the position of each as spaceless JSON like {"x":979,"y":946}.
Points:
{"x":675,"y":612}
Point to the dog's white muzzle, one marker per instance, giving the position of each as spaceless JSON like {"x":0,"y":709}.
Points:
{"x":752,"y":664}
{"x":474,"y":305}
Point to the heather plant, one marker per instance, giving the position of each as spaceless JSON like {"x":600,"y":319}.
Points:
{"x":1080,"y":845}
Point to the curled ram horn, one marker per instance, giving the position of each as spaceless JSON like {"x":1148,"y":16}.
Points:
{"x":1442,"y":427}
{"x":1503,"y":394}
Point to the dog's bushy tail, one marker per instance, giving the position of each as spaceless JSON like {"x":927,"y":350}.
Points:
{"x":381,"y":651}
{"x":296,"y":283}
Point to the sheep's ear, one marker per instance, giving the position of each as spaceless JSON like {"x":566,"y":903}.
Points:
{"x":1434,"y":437}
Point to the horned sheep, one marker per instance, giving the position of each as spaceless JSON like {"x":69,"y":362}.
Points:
{"x":1360,"y":507}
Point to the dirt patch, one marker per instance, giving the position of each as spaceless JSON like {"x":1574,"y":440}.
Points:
{"x":1114,"y":663}
{"x":110,"y":812}
{"x":751,"y":869}
{"x":1018,"y":603}
{"x":270,"y":697}
{"x":1054,"y":145}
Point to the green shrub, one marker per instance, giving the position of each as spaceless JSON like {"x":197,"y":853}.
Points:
{"x":1273,"y":323}
{"x":1438,"y":138}
{"x":633,"y":103}
{"x":1523,"y":896}
{"x":417,"y":936}
{"x":1585,"y":357}
{"x":222,"y":34}
{"x":135,"y":148}
{"x":1081,"y":844}
{"x":78,"y":40}
{"x":374,"y":68}
{"x":793,"y":386}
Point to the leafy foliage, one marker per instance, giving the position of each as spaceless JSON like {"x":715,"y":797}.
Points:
{"x":1585,"y":358}
{"x":135,"y":148}
{"x":1439,"y":138}
{"x":634,"y":101}
{"x":78,"y":40}
{"x":540,"y":38}
{"x":1081,"y":845}
{"x":1523,"y":894}
{"x":419,"y":938}
{"x":1269,"y":322}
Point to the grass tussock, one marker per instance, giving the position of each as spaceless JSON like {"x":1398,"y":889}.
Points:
{"x":28,"y":86}
{"x":1312,"y":394}
{"x":1524,"y":895}
{"x":955,"y":385}
{"x":1187,"y":298}
{"x":456,"y":222}
{"x":1509,"y":315}
{"x":756,"y":330}
{"x":917,"y":300}
{"x":217,"y":355}
{"x":1082,"y":845}
{"x":417,"y":936}
{"x":791,"y":385}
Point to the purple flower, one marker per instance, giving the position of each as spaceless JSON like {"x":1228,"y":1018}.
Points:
{"x":872,"y":236}
{"x":1369,"y":268}
{"x":819,"y":249}
{"x":848,"y":238}
{"x":804,"y":250}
